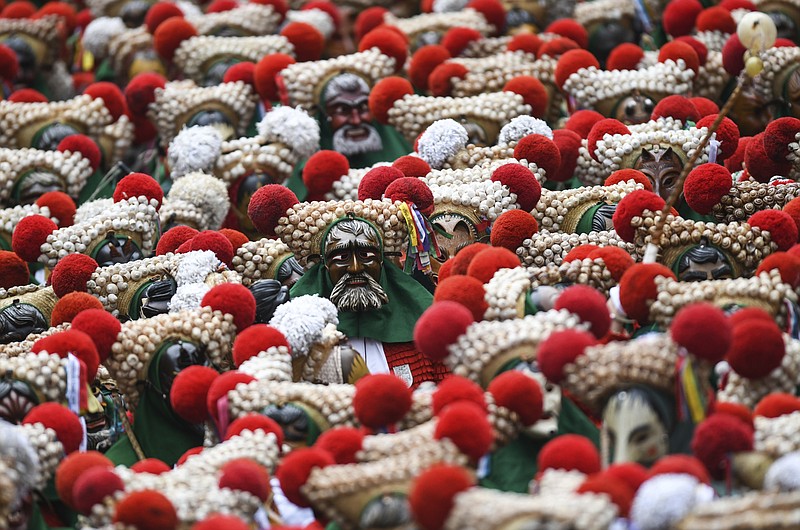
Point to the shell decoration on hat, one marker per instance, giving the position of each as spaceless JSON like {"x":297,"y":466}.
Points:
{"x":71,"y":169}
{"x":42,"y":35}
{"x":548,"y":247}
{"x":246,"y":20}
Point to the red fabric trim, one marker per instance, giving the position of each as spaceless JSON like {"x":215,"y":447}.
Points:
{"x":422,"y":368}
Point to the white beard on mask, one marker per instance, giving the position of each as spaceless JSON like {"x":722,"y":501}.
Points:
{"x":347,"y":146}
{"x":360,"y":298}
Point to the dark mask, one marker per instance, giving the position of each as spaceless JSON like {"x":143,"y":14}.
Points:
{"x":269,"y":294}
{"x":17,"y":321}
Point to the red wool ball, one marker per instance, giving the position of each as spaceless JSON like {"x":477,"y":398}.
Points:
{"x":600,"y":129}
{"x":793,"y":209}
{"x":777,"y":404}
{"x":570,"y":28}
{"x":432,"y":494}
{"x":456,"y":40}
{"x":220,"y":6}
{"x":173,"y":238}
{"x":557,"y":47}
{"x":633,"y":205}
{"x":70,"y":305}
{"x":716,"y":18}
{"x":147,"y":509}
{"x":525,"y":42}
{"x":244,"y":72}
{"x":342,"y":443}
{"x":381,"y":400}
{"x":413,"y":191}
{"x":757,"y":348}
{"x":780,"y":225}
{"x":439,"y":327}
{"x":569,"y":144}
{"x":539,"y":150}
{"x":79,"y":143}
{"x":454,"y":389}
{"x":518,"y":393}
{"x":295,"y":469}
{"x":512,"y":228}
{"x":412,"y":166}
{"x":486,"y":263}
{"x":700,"y":49}
{"x":138,"y":185}
{"x":27,"y":95}
{"x":369,"y":19}
{"x":267,"y":205}
{"x":704,"y":330}
{"x":680,"y":464}
{"x":62,"y":420}
{"x":190,"y":452}
{"x":307,"y":41}
{"x":19,"y":9}
{"x":61,"y":206}
{"x":153,"y":466}
{"x":440,"y":79}
{"x":778,"y":135}
{"x":580,"y":252}
{"x":572,"y":61}
{"x":376,"y":181}
{"x":637,"y":289}
{"x":221,"y":386}
{"x":279,"y":6}
{"x":728,"y":136}
{"x":680,"y":15}
{"x":71,"y":274}
{"x":704,"y":106}
{"x":570,"y":452}
{"x":264,"y":75}
{"x":626,"y":56}
{"x":620,"y":493}
{"x":169,"y":35}
{"x":750,"y":313}
{"x":736,"y":161}
{"x":390,"y":42}
{"x":582,"y":121}
{"x":62,"y":10}
{"x":680,"y":50}
{"x":787,"y":264}
{"x":216,"y":243}
{"x":112,"y":97}
{"x":190,"y":391}
{"x":236,"y":238}
{"x":520,"y":180}
{"x":71,"y":468}
{"x":101,"y":326}
{"x":14,"y":270}
{"x":533,"y":93}
{"x":705,"y":186}
{"x":322,"y":169}
{"x":630,"y":473}
{"x":160,"y":12}
{"x":736,"y":410}
{"x":717,"y":437}
{"x":733,"y":55}
{"x":444,"y":270}
{"x":424,"y":61}
{"x":255,"y":339}
{"x":244,"y":474}
{"x":464,"y":257}
{"x":255,"y":422}
{"x":624,"y":175}
{"x":759,"y":164}
{"x":616,"y":260}
{"x":140,"y":92}
{"x":465,"y":290}
{"x":493,"y":11}
{"x":71,"y":341}
{"x":221,"y":522}
{"x":561,"y":348}
{"x":94,"y":485}
{"x":677,"y":107}
{"x":589,"y":305}
{"x":29,"y":235}
{"x":465,"y":424}
{"x":232,"y":299}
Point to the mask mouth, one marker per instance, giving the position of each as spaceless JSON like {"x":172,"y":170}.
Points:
{"x":357,"y":281}
{"x":356,"y":132}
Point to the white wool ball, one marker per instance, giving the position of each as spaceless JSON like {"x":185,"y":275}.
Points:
{"x":291,"y":127}
{"x":441,"y":140}
{"x":784,"y":474}
{"x":99,"y":32}
{"x":194,"y":149}
{"x":522,"y":126}
{"x":664,"y":500}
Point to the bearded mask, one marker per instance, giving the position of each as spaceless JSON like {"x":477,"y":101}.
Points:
{"x":346,"y":99}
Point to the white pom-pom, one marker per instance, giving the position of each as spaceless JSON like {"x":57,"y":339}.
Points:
{"x":194,"y":149}
{"x":302,"y":320}
{"x":317,"y":18}
{"x":292,"y":127}
{"x":190,"y":10}
{"x":207,"y":193}
{"x":666,"y":499}
{"x":448,"y":6}
{"x":522,"y":126}
{"x":99,"y":32}
{"x":784,"y":474}
{"x":440,"y":141}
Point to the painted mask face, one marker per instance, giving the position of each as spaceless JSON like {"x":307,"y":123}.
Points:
{"x":17,"y":321}
{"x":602,"y":219}
{"x":547,"y":426}
{"x":26,"y":57}
{"x":133,"y":13}
{"x":154,"y":299}
{"x":346,"y":100}
{"x":50,"y":136}
{"x":634,"y":109}
{"x":632,"y":430}
{"x":34,"y":184}
{"x":294,"y":422}
{"x":462,"y":231}
{"x":704,"y":262}
{"x":114,"y":250}
{"x":389,"y":510}
{"x":477,"y":135}
{"x":354,"y":263}
{"x":662,"y":168}
{"x":216,"y":72}
{"x":248,"y":186}
{"x":16,"y":399}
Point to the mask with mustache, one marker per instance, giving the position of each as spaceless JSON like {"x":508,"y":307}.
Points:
{"x":351,"y":140}
{"x":358,"y":292}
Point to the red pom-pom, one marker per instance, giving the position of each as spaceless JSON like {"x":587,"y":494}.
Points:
{"x":247,"y":475}
{"x":492,"y":11}
{"x":190,"y":452}
{"x":322,"y":169}
{"x":600,"y":129}
{"x":733,"y":55}
{"x":777,"y":404}
{"x":29,"y":235}
{"x":444,"y":270}
{"x":255,"y":339}
{"x":571,"y":62}
{"x":736,"y":161}
{"x":440,"y":80}
{"x":705,"y":107}
{"x":561,"y":348}
{"x":620,"y":493}
{"x":465,"y":424}
{"x":424,"y":61}
{"x":255,"y":422}
{"x":432,"y":494}
{"x":220,"y":6}
{"x":680,"y":15}
{"x":411,"y":190}
{"x":757,"y":348}
{"x":616,"y":260}
{"x":780,"y":225}
{"x":581,"y":252}
{"x":778,"y":135}
{"x":216,"y":243}
{"x":716,"y":18}
{"x":190,"y":391}
{"x":71,"y":341}
{"x":153,"y":466}
{"x":700,"y":49}
{"x":518,"y":393}
{"x":94,"y":485}
{"x":27,"y":95}
{"x":18,"y":9}
{"x":787,"y":264}
{"x":704,"y":330}
{"x":557,"y":47}
{"x":677,"y":107}
{"x":680,"y":50}
{"x":71,"y":274}
{"x":465,"y":256}
{"x":440,"y":326}
{"x":384,"y":94}
{"x":705,"y":186}
{"x":465,"y":290}
{"x":236,"y":238}
{"x":295,"y":470}
{"x":221,"y":522}
{"x":138,"y":185}
{"x":486,"y":263}
{"x":221,"y":386}
{"x":147,"y":510}
{"x":570,"y":28}
{"x":307,"y":41}
{"x":369,"y":19}
{"x":62,"y":10}
{"x":343,"y":443}
{"x":140,"y":92}
{"x":732,"y":5}
{"x":750,"y":313}
{"x":9,"y":64}
{"x":637,"y":289}
{"x":279,"y":6}
{"x":70,"y":305}
{"x":718,"y":436}
{"x":169,"y":35}
{"x":793,"y":209}
{"x":680,"y":464}
{"x":62,"y":420}
{"x":454,"y":389}
{"x":569,"y":144}
{"x":412,"y":166}
{"x":456,"y":40}
{"x":539,"y":150}
{"x":582,"y":121}
{"x":570,"y":452}
{"x":112,"y":97}
{"x":727,"y":134}
{"x":381,"y":400}
{"x":520,"y":180}
{"x":79,"y":143}
{"x":512,"y":228}
{"x":626,"y":56}
{"x":267,"y":205}
{"x":526,"y":42}
{"x":61,"y":206}
{"x":632,"y":206}
{"x":736,"y":410}
{"x":234,"y":299}
{"x":532,"y":91}
{"x":72,"y":468}
{"x":174,"y":238}
{"x":13,"y":270}
{"x":389,"y":42}
{"x":101,"y":326}
{"x":376,"y":181}
{"x":244,"y":71}
{"x":264,"y":75}
{"x":589,"y":305}
{"x":624,"y":175}
{"x":630,"y":473}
